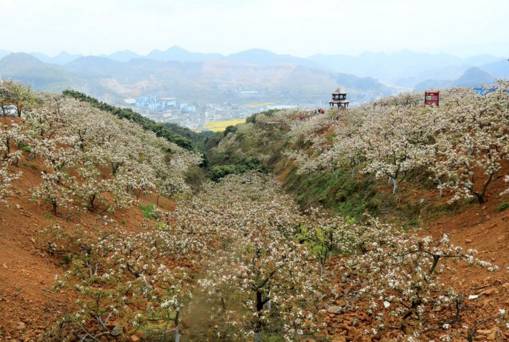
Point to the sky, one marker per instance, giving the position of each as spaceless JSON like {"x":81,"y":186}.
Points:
{"x":299,"y":27}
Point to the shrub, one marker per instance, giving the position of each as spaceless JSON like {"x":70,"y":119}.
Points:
{"x":218,"y":172}
{"x":503,"y":206}
{"x":149,"y":211}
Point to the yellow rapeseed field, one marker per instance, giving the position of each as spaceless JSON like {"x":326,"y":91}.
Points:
{"x":219,"y":126}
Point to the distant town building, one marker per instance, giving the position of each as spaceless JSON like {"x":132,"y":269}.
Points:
{"x":168,"y":101}
{"x":156,"y":104}
{"x":485,"y":91}
{"x":187,"y":108}
{"x":432,"y":98}
{"x":278,"y":107}
{"x":339,"y":100}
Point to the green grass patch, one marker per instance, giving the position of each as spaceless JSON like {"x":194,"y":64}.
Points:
{"x":337,"y":190}
{"x":503,"y":206}
{"x":149,"y":211}
{"x":25,"y":148}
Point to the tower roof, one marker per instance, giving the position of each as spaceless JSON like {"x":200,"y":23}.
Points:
{"x":338,"y":91}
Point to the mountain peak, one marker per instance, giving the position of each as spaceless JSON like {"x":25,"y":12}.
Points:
{"x":20,"y":58}
{"x":123,"y":56}
{"x":178,"y":54}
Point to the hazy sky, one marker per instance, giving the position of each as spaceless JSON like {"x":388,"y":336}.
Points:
{"x":301,"y":27}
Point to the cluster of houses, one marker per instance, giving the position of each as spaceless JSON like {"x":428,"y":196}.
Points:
{"x":156,"y":104}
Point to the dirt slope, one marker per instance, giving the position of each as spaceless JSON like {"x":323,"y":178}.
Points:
{"x":28,"y":304}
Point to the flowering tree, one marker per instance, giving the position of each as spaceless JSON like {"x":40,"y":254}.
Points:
{"x":397,"y":274}
{"x":6,"y":179}
{"x":126,"y":282}
{"x":259,"y":280}
{"x":471,"y":151}
{"x":77,"y":143}
{"x":460,"y":145}
{"x":9,"y":136}
{"x":266,"y":285}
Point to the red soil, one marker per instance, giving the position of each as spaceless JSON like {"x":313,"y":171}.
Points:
{"x":28,"y":304}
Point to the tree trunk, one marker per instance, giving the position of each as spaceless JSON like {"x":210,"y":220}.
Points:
{"x":436,"y":259}
{"x":54,"y":206}
{"x":394,"y":182}
{"x":91,"y":202}
{"x":259,"y":308}
{"x":7,"y":146}
{"x":480,"y":198}
{"x":177,"y":326}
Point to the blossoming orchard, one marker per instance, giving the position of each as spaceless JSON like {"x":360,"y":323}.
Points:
{"x":460,"y":145}
{"x":240,"y":259}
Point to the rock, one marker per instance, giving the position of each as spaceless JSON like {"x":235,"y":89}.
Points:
{"x":21,"y":326}
{"x":116,"y":331}
{"x":135,"y":338}
{"x":468,"y":241}
{"x":334,"y":309}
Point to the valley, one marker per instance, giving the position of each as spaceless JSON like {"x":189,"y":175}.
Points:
{"x":384,"y":222}
{"x":254,"y":171}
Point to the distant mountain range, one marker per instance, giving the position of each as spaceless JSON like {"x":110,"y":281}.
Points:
{"x":402,"y":69}
{"x":406,"y":68}
{"x":261,"y":74}
{"x":473,"y":77}
{"x":195,"y":78}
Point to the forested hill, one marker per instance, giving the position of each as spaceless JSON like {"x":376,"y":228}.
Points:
{"x":182,"y":136}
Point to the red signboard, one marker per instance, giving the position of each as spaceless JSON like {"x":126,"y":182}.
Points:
{"x":432,"y":98}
